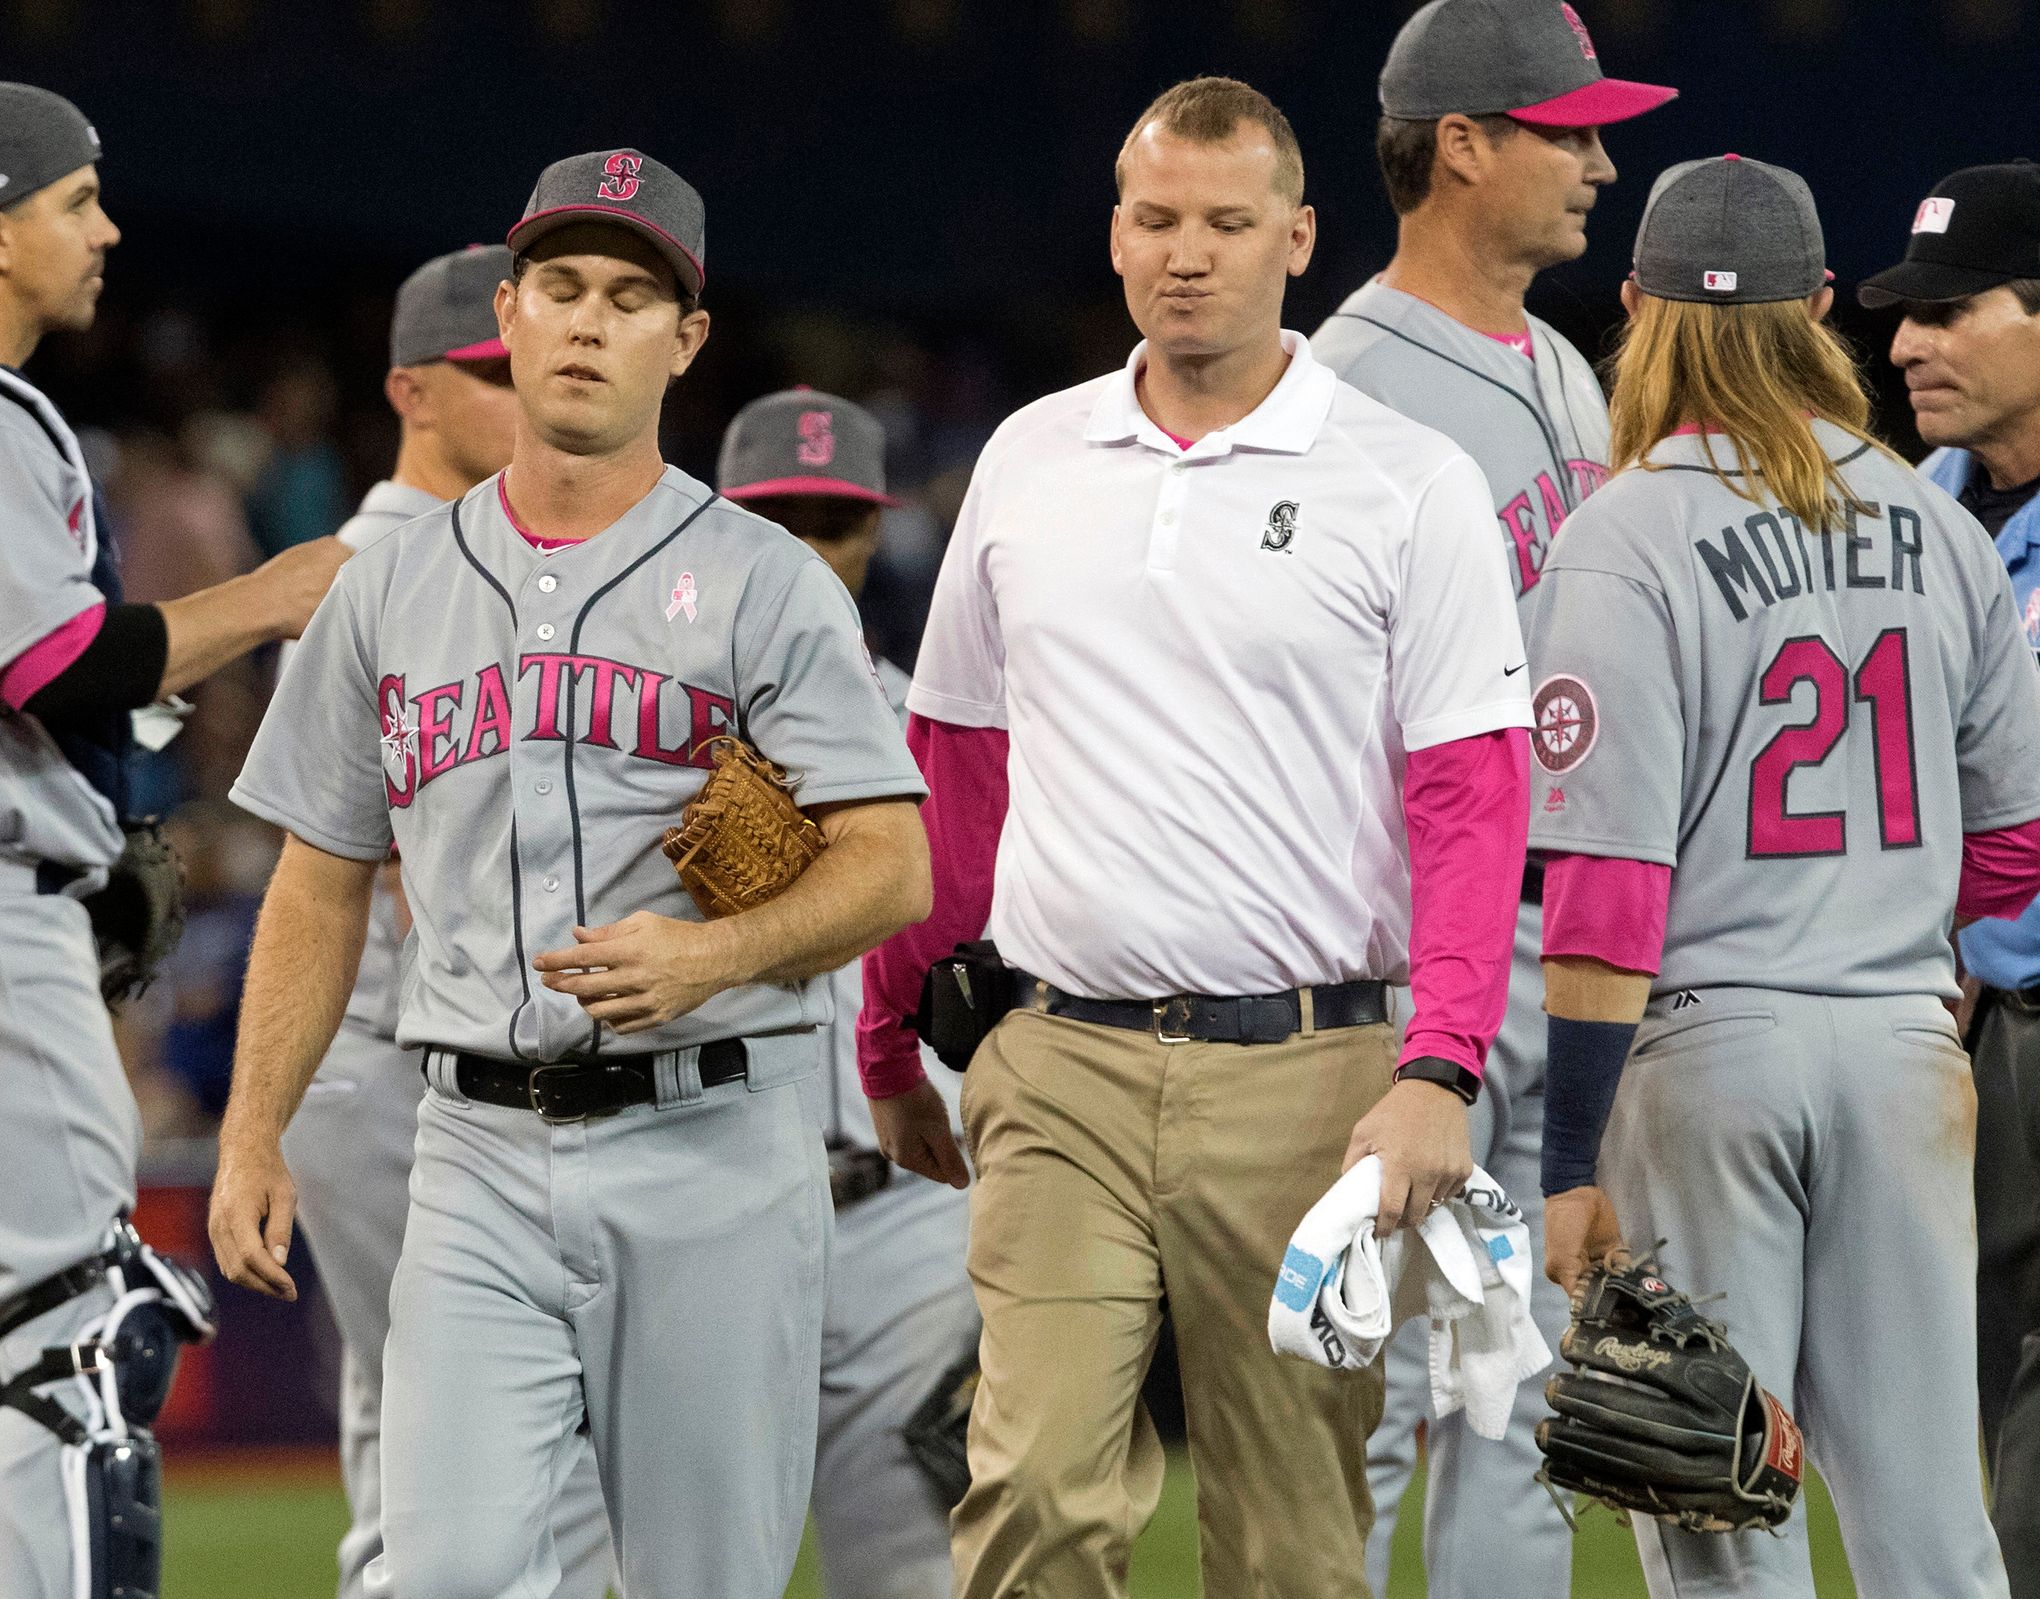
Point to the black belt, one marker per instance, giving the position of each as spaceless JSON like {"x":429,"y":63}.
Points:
{"x":1200,"y":1018}
{"x":59,"y":1288}
{"x":568,"y":1091}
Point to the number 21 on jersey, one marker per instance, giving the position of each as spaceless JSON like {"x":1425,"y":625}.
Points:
{"x":1882,"y":687}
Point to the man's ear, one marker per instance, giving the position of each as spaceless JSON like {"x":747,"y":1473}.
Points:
{"x":692,"y":335}
{"x":1462,"y":149}
{"x":1632,"y":297}
{"x":407,"y":396}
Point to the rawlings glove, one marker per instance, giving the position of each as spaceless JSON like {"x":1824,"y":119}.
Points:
{"x":1662,"y":1415}
{"x":741,"y":839}
{"x":138,"y":916}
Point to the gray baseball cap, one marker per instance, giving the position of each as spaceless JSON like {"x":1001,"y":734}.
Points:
{"x":802,"y":441}
{"x":42,"y":137}
{"x":626,"y":187}
{"x":446,"y":310}
{"x":1529,"y":59}
{"x":1728,"y":231}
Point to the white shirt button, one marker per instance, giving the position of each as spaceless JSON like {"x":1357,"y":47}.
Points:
{"x":1178,"y":466}
{"x":543,"y":785}
{"x":552,"y":885}
{"x":1168,"y":520}
{"x":545,"y":630}
{"x":548,"y":583}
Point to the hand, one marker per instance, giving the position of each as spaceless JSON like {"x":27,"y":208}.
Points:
{"x":1964,"y":1009}
{"x":253,"y":1201}
{"x":295,"y":581}
{"x":639,"y":972}
{"x":914,"y":1131}
{"x":1580,"y":1232}
{"x":1419,"y":1131}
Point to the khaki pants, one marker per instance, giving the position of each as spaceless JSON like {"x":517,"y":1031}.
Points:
{"x":1115,"y":1171}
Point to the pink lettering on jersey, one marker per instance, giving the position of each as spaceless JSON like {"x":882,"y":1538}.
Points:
{"x":399,"y":743}
{"x":1519,"y":523}
{"x":550,"y":670}
{"x":600,"y":698}
{"x":1554,"y":505}
{"x":434,"y":724}
{"x":1587,"y":476}
{"x":708,"y":714}
{"x":492,"y":715}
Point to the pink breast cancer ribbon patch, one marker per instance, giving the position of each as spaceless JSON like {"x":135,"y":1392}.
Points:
{"x":684,"y":597}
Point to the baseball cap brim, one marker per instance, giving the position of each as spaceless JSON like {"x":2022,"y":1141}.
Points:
{"x":1926,"y":280}
{"x":536,"y":226}
{"x":834,"y":488}
{"x":487,"y":350}
{"x":1597,"y":104}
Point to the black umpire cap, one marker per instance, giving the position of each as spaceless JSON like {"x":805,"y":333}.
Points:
{"x":1979,"y":228}
{"x":42,"y":137}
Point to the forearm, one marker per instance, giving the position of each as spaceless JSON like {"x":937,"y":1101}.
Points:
{"x":300,"y":970}
{"x":870,"y":882}
{"x":215,"y":626}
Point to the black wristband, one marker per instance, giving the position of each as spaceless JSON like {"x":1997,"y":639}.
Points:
{"x":120,"y":670}
{"x":1445,"y":1073}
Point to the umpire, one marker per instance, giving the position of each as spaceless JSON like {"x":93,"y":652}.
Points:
{"x":1969,"y":346}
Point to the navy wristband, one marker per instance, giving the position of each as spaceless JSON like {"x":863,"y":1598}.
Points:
{"x":1583,"y":1067}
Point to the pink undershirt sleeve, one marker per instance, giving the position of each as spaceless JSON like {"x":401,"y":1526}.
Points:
{"x":2000,"y":871}
{"x":965,"y":769}
{"x":1607,"y":909}
{"x":1467,"y":806}
{"x":44,"y":661}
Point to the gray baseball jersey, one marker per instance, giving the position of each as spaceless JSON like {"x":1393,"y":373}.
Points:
{"x":1805,"y":725}
{"x":524,"y":761}
{"x":1537,"y":428}
{"x":48,"y":811}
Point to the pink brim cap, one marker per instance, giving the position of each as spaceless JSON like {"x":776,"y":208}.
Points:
{"x":487,"y":350}
{"x":834,"y":488}
{"x":1597,"y":104}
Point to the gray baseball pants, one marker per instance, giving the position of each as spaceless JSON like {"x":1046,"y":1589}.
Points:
{"x":2004,"y":1045}
{"x":349,"y":1153}
{"x":656,"y":1276}
{"x":72,"y":1137}
{"x":1489,"y":1527}
{"x":1811,"y":1157}
{"x":900,"y":1315}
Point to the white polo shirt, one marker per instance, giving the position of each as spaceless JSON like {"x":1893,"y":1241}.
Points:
{"x":1211,"y":663}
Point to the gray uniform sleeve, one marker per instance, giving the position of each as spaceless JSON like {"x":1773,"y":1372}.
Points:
{"x":809,"y":696}
{"x":1997,"y":744}
{"x":44,"y":577}
{"x":316,"y":767}
{"x":1609,"y":740}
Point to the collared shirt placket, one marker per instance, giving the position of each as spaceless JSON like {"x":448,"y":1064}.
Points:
{"x":540,"y":803}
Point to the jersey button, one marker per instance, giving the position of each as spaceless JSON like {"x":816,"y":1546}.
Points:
{"x":548,"y":583}
{"x":552,"y":885}
{"x":543,"y":785}
{"x":1168,"y":520}
{"x":545,"y":631}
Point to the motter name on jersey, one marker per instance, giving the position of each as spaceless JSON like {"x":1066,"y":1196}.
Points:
{"x":1773,"y":557}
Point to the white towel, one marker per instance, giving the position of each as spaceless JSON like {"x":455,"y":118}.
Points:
{"x":1340,"y":1292}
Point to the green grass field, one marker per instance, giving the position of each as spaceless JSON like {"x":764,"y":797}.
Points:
{"x":267,"y":1530}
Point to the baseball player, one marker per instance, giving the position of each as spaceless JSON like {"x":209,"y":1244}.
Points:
{"x":619,"y":1209}
{"x":900,"y":1314}
{"x":1788,"y":725}
{"x":1969,"y":346}
{"x":349,"y":1145}
{"x":90,"y":1318}
{"x":1490,"y":149}
{"x":1235,"y":635}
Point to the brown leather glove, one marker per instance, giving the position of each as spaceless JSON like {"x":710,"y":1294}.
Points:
{"x":741,"y":840}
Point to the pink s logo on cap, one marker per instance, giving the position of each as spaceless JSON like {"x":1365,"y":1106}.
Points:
{"x":1580,"y":28}
{"x":622,"y":181}
{"x":817,"y":438}
{"x":1933,"y":215}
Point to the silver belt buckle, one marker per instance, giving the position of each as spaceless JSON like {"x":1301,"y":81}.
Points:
{"x":533,"y":1088}
{"x":1160,"y":1022}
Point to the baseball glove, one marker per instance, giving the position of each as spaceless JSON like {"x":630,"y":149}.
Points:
{"x":741,"y":839}
{"x":138,"y":916}
{"x":1662,"y":1415}
{"x":937,"y":1432}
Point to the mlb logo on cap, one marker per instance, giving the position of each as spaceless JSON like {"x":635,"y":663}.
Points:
{"x":1719,"y":282}
{"x":1933,"y":215}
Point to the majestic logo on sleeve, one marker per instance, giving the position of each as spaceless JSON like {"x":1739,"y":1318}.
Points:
{"x":1281,"y":525}
{"x":1567,"y":722}
{"x":622,"y":182}
{"x":817,"y":438}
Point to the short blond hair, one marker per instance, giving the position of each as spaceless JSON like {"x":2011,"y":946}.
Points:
{"x":1210,"y":111}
